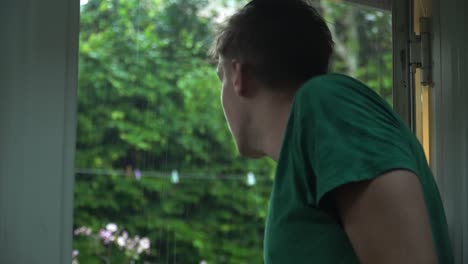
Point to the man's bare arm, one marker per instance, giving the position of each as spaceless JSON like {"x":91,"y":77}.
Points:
{"x":386,"y":219}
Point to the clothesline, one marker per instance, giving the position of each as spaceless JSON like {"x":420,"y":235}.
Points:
{"x":174,"y":176}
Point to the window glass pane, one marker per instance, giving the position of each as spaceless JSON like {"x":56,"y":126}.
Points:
{"x":154,"y":155}
{"x":363,"y":44}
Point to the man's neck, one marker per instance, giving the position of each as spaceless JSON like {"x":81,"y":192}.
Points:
{"x":275,"y":116}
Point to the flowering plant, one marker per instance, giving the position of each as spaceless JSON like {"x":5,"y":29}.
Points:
{"x":112,"y":237}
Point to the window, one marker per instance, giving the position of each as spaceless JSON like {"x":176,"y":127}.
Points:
{"x":154,"y":156}
{"x":422,"y":92}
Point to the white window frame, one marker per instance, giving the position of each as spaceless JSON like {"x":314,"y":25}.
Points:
{"x":38,"y":81}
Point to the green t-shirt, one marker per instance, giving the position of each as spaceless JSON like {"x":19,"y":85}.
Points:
{"x":339,"y":131}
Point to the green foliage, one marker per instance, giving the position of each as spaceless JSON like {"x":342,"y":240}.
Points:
{"x":149,"y":100}
{"x":363,"y":44}
{"x":219,"y":221}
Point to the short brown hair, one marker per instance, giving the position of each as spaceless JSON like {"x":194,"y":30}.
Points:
{"x":279,"y":41}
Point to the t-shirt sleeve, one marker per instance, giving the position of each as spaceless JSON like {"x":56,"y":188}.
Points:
{"x":350,"y":135}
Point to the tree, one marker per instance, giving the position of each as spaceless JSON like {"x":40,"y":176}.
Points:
{"x":363,"y":44}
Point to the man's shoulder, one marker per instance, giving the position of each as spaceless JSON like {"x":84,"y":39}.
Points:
{"x":327,"y":90}
{"x":328,"y":87}
{"x":336,"y":89}
{"x":337,"y":96}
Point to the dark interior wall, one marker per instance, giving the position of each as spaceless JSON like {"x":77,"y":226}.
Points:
{"x":450,"y":115}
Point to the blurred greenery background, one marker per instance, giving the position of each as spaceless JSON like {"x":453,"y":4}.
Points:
{"x":154,"y":154}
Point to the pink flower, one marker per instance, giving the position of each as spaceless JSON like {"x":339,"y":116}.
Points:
{"x":144,"y":245}
{"x":122,"y":239}
{"x":106,"y":236}
{"x":82,"y":230}
{"x":131,"y":244}
{"x":88,"y":231}
{"x":137,"y":174}
{"x":111,"y":227}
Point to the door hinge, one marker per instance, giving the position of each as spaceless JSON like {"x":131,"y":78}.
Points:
{"x":420,"y":51}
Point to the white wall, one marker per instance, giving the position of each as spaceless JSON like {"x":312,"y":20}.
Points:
{"x":38,"y":76}
{"x":450,"y":111}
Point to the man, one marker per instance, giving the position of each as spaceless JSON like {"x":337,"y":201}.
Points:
{"x":352,"y":184}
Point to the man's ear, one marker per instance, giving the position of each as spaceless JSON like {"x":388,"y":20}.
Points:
{"x":239,"y":78}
